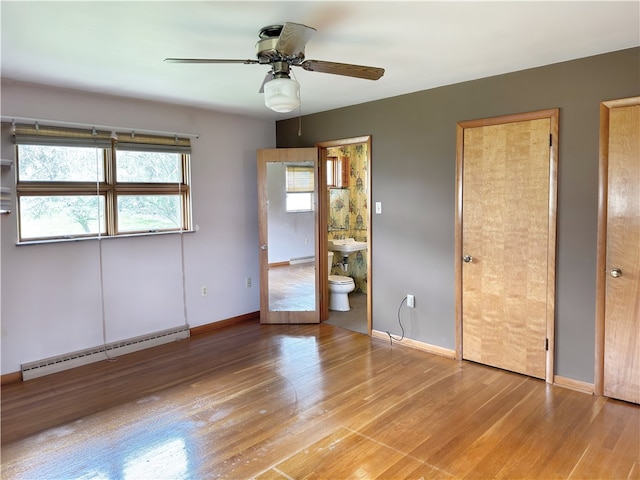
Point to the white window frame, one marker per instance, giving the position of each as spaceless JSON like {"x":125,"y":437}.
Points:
{"x":300,"y":188}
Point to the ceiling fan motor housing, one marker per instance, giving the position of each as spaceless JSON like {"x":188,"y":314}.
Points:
{"x":266,"y":52}
{"x":270,"y":31}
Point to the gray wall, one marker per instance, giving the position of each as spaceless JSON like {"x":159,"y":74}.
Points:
{"x":413,"y":175}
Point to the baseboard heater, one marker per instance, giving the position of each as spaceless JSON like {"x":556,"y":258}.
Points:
{"x":298,"y":260}
{"x":96,"y":354}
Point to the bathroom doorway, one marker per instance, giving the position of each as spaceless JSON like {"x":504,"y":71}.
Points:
{"x":345,"y":195}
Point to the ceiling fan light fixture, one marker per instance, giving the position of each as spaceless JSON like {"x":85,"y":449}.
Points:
{"x":282,"y":94}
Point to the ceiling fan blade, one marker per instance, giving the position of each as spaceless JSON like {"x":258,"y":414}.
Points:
{"x":346,"y":69}
{"x":267,"y":78}
{"x":207,"y":60}
{"x":293,"y":38}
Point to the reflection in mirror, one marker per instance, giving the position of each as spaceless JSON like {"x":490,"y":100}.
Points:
{"x":291,"y":215}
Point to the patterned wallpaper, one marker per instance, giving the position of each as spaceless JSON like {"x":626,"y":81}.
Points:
{"x":349,"y":211}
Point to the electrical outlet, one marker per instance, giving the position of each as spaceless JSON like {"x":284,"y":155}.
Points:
{"x":411,"y":301}
{"x":247,"y":282}
{"x":204,"y":290}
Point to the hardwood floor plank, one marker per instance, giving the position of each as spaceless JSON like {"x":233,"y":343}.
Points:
{"x":272,"y":474}
{"x":359,"y":458}
{"x":307,"y":401}
{"x":616,"y":426}
{"x":543,"y":434}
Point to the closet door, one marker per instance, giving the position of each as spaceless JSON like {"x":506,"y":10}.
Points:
{"x":618,"y":287}
{"x":506,"y":242}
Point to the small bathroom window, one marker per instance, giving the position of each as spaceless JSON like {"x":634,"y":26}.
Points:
{"x":337,"y":172}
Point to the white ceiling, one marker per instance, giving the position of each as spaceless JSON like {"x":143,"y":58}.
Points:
{"x":118,"y":47}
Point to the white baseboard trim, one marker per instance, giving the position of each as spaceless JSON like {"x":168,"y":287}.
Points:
{"x":578,"y":385}
{"x":425,"y":347}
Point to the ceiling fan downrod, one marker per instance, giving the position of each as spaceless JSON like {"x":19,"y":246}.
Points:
{"x":281,"y":69}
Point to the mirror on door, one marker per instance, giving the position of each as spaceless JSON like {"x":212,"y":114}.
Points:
{"x":291,"y":219}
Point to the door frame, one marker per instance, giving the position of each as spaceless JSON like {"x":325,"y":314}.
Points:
{"x":323,"y":240}
{"x":552,"y":115}
{"x":601,"y":252}
{"x":287,"y":155}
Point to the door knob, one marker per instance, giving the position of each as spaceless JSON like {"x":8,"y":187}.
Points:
{"x":616,"y":272}
{"x":263,"y":247}
{"x":467,"y":259}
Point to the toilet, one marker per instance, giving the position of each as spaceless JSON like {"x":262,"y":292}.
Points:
{"x":339,"y":289}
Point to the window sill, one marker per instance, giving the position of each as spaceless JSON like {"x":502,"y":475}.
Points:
{"x":105,"y":237}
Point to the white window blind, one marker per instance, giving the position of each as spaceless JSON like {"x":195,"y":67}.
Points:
{"x":300,"y":179}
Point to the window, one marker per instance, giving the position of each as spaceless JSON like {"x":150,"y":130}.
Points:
{"x":75,"y":183}
{"x":300,"y":188}
{"x":337,"y":172}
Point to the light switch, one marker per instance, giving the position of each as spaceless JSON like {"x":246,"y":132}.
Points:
{"x":378,"y":207}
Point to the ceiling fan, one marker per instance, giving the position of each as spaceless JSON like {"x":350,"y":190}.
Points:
{"x":282,"y":46}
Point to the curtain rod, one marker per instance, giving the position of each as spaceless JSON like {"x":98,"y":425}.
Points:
{"x":61,"y":123}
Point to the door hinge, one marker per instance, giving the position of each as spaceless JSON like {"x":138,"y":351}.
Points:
{"x":551,"y":139}
{"x":546,"y":344}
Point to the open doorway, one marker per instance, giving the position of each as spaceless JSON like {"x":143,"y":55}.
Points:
{"x":346,"y":199}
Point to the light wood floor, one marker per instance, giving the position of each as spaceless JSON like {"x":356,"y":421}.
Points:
{"x":292,"y":287}
{"x":314,"y":401}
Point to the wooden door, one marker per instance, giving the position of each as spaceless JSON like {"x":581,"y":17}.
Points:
{"x":288,"y":239}
{"x":618,"y":283}
{"x":505,"y":244}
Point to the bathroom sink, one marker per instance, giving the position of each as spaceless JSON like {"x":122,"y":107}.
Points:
{"x":346,"y":245}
